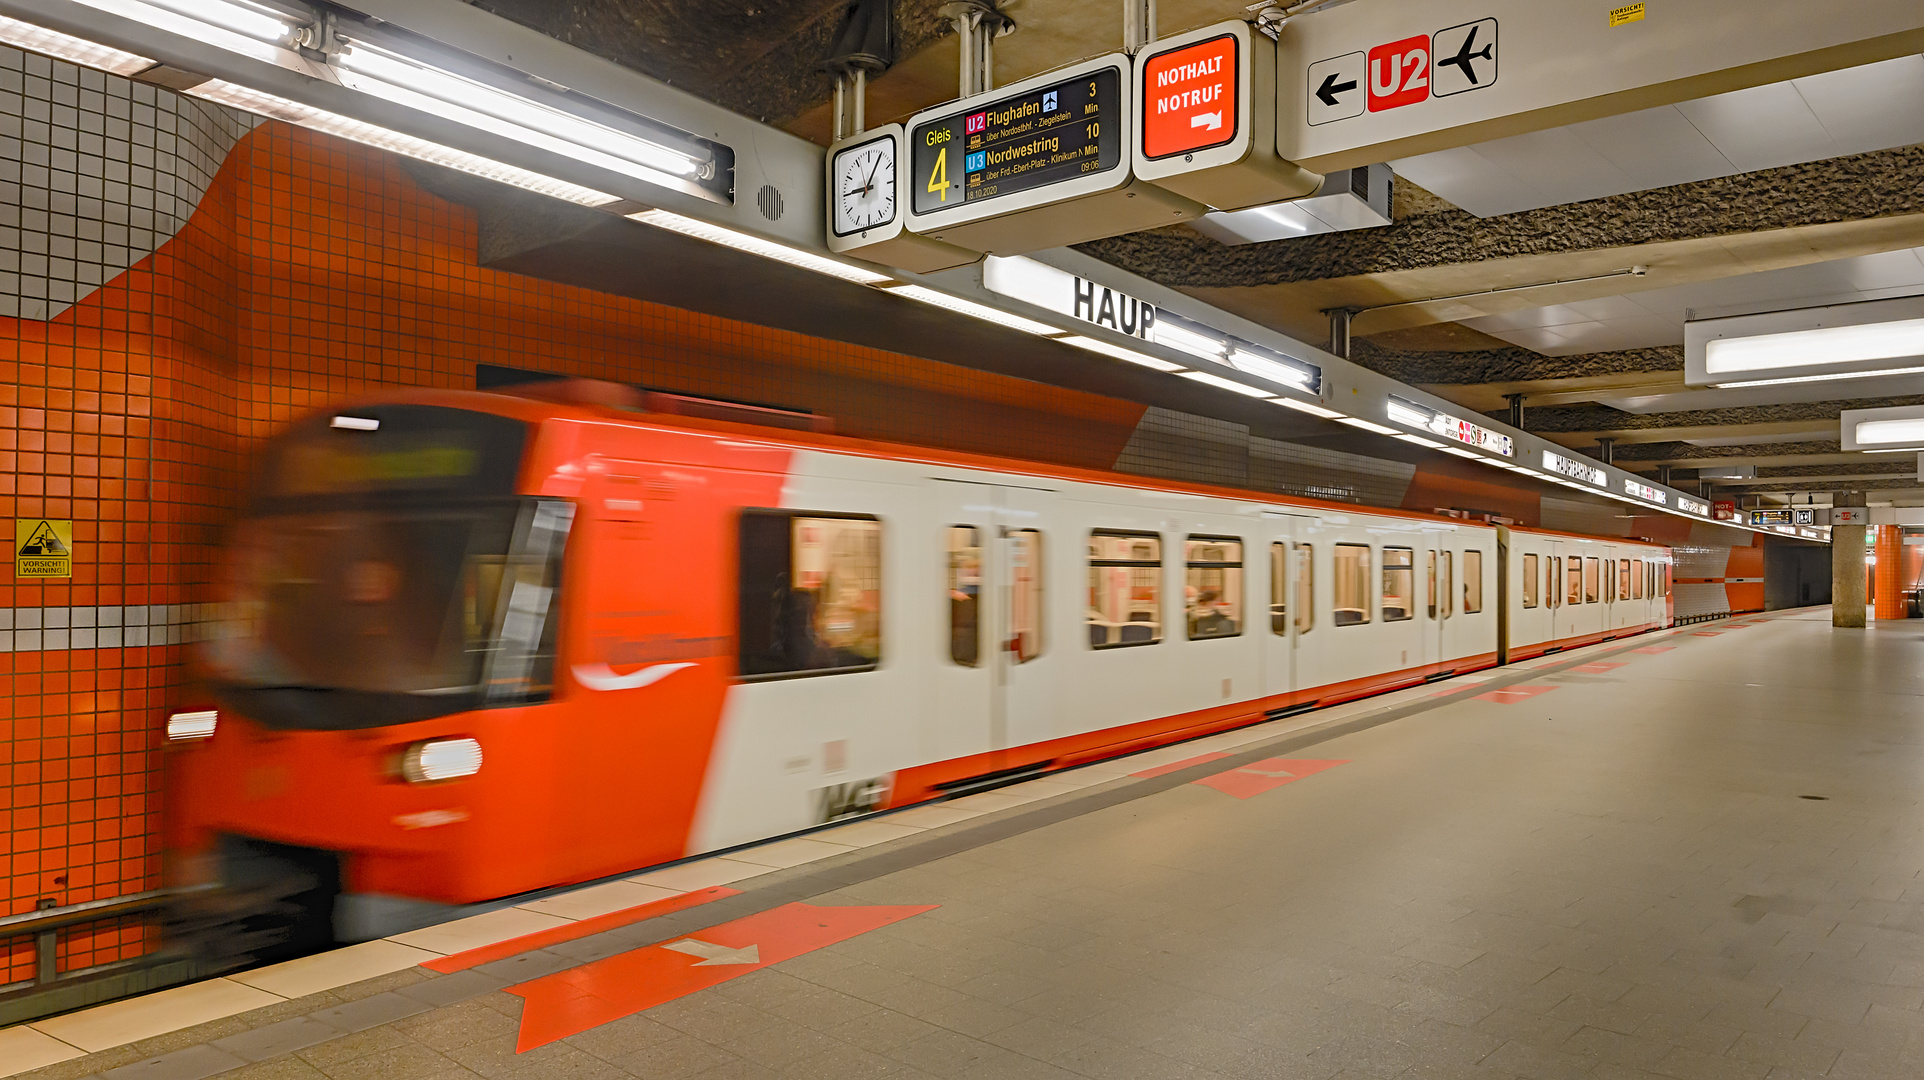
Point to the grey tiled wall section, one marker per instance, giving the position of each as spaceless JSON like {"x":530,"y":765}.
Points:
{"x":96,"y":172}
{"x":1172,"y":445}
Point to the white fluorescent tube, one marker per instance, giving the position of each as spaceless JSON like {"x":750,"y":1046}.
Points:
{"x":72,"y":49}
{"x":1188,"y":341}
{"x":477,"y":105}
{"x":248,"y":99}
{"x":239,"y":28}
{"x":768,"y":249}
{"x":1894,"y":450}
{"x":1403,"y":414}
{"x":980,"y":311}
{"x":1421,"y":441}
{"x":1462,"y":453}
{"x":1829,"y":377}
{"x":1264,"y":368}
{"x":1226,"y":384}
{"x":1313,"y":410}
{"x":1885,"y":432}
{"x":1120,"y":353}
{"x":1366,"y":425}
{"x":1824,"y":345}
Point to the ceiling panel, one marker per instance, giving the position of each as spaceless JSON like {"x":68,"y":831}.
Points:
{"x":1761,"y":128}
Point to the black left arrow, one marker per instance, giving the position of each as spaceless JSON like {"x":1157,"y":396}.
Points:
{"x":1330,"y":88}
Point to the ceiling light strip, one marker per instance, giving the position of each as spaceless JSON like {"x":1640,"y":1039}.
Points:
{"x":1120,"y":353}
{"x":278,"y":108}
{"x":241,"y":28}
{"x":39,"y":39}
{"x":793,"y":256}
{"x":1826,"y":377}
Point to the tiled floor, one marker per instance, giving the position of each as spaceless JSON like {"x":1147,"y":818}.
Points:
{"x":1624,"y":878}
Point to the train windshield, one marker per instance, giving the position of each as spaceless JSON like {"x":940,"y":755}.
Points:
{"x":388,"y":573}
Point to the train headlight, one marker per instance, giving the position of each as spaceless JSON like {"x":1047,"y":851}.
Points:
{"x":192,"y":726}
{"x":440,"y":759}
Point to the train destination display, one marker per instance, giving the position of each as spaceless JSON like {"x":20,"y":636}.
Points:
{"x":1020,"y":143}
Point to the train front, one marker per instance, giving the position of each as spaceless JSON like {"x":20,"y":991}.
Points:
{"x":362,"y":762}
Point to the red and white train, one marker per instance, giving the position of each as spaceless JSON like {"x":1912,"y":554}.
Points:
{"x":488,"y":643}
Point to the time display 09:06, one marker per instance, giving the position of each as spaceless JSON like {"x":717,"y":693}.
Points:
{"x":1020,"y":143}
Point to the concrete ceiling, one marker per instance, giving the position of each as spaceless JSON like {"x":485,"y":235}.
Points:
{"x":1794,"y":194}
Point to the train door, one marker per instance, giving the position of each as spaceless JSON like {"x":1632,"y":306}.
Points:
{"x":1429,"y":596}
{"x":1285,"y":587}
{"x":1568,"y":561}
{"x":1026,"y":643}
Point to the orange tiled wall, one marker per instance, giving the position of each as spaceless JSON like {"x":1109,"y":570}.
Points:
{"x":313,"y":270}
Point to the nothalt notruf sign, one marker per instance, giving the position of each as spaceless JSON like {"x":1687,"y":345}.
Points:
{"x":1206,"y":104}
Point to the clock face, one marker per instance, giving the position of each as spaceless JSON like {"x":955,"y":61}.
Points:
{"x":864,"y":189}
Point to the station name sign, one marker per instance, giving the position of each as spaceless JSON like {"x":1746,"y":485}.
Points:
{"x":1692,"y":506}
{"x":1574,"y":469}
{"x":1064,"y":293}
{"x":1019,"y":143}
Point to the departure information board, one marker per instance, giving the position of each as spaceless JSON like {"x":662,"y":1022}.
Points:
{"x":1020,"y":143}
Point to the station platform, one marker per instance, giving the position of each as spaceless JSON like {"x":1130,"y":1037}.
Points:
{"x":1688,"y":854}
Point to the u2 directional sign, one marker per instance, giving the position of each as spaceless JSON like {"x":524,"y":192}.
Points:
{"x":1408,"y":71}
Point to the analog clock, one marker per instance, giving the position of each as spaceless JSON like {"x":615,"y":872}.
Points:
{"x":865,"y":217}
{"x":864,"y":185}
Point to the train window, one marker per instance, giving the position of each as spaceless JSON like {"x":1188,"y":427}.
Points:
{"x":1305,"y":588}
{"x":1125,"y":589}
{"x":1213,"y":586}
{"x":1472,"y":582}
{"x":965,"y":595}
{"x":1025,"y":594}
{"x":1573,"y":589}
{"x":1609,"y":581}
{"x":1429,"y":563}
{"x":1668,"y":581}
{"x":1529,"y":581}
{"x":1399,"y":584}
{"x":1445,"y":583}
{"x":1592,"y":579}
{"x":1636,"y":581}
{"x":1351,"y":585}
{"x":811,"y":594}
{"x":1623,"y":579}
{"x":1278,"y":589}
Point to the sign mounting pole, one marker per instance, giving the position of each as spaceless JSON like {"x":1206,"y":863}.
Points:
{"x":1138,"y":25}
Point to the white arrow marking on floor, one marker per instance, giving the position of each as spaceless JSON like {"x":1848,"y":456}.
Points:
{"x":1210,"y":120}
{"x":1260,"y":772}
{"x":716,"y":955}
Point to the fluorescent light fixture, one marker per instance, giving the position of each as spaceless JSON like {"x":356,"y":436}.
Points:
{"x":1120,"y":353}
{"x":251,"y":100}
{"x":478,"y":105}
{"x":355,"y":423}
{"x":1366,"y":425}
{"x":234,"y":25}
{"x":1461,"y":453}
{"x":189,"y":726}
{"x":970,"y":307}
{"x":769,"y":249}
{"x":1824,"y":345}
{"x":1886,"y":432}
{"x":1894,"y":450}
{"x":1177,"y":337}
{"x":1313,"y":410}
{"x":1226,"y":384}
{"x":1829,"y":377}
{"x":1403,"y":414}
{"x":1264,"y":368}
{"x":72,"y":49}
{"x":1421,"y":441}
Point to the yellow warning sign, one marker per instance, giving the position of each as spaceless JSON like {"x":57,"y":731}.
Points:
{"x":42,"y":548}
{"x":1628,"y":13}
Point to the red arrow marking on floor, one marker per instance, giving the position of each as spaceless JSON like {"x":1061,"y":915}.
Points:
{"x":1598,"y":668}
{"x":570,"y":1002}
{"x":1654,"y":649}
{"x":1266,"y":775}
{"x":1183,"y":764}
{"x":1706,"y":633}
{"x":555,"y":935}
{"x":1510,"y":695}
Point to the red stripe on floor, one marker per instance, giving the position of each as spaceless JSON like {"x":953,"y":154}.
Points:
{"x":1510,"y":695}
{"x":555,"y":935}
{"x":570,"y":1002}
{"x":1183,"y":764}
{"x":1654,"y":649}
{"x":1266,"y":775}
{"x":1706,"y":633}
{"x":1598,"y":668}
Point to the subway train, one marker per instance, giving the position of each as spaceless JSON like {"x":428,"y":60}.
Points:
{"x":480,"y":644}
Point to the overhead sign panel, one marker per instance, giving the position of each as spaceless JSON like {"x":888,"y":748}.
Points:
{"x":1393,"y":78}
{"x":1206,"y":108}
{"x":1038,"y":164}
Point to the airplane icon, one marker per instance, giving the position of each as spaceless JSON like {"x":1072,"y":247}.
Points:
{"x":1464,"y":55}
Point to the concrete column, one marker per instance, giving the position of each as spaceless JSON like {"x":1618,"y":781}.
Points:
{"x":1889,"y":593}
{"x":1847,"y":585}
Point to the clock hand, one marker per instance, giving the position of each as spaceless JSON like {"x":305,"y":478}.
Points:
{"x":870,"y":186}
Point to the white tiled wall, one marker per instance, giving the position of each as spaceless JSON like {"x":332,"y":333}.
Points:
{"x":96,"y":172}
{"x":36,"y":629}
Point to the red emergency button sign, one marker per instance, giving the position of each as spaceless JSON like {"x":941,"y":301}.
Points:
{"x":1189,"y":98}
